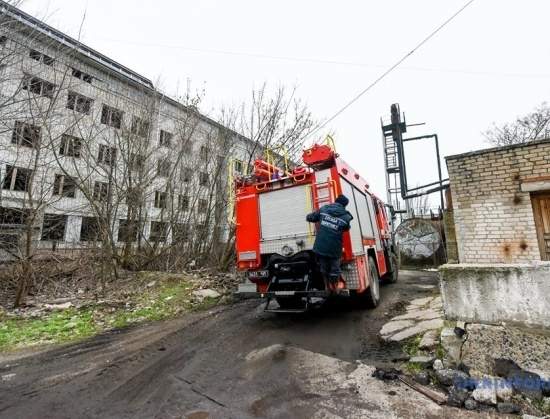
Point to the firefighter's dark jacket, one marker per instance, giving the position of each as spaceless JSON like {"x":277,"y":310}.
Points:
{"x":333,"y":220}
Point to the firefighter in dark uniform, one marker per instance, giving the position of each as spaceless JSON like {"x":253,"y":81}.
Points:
{"x":333,"y":221}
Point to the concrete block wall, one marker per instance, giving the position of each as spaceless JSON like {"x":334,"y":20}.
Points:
{"x":496,"y":293}
{"x":494,"y":219}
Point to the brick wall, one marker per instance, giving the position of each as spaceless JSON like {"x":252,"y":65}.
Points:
{"x":493,"y":218}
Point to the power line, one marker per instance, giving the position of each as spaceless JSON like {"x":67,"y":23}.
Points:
{"x":324,"y":61}
{"x":389,"y":70}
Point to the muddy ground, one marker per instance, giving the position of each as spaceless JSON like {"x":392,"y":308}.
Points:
{"x":231,"y":362}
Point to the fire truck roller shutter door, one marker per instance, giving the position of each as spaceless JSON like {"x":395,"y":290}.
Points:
{"x":355,"y":231}
{"x":286,"y":210}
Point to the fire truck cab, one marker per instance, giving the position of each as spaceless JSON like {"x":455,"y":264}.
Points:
{"x":274,"y":241}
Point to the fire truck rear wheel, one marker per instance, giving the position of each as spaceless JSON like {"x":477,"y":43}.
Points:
{"x":372,"y":294}
{"x":392,"y":276}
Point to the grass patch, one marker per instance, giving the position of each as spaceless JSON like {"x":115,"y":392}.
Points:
{"x":414,"y":368}
{"x":411,"y":345}
{"x":166,"y":300}
{"x":63,"y":326}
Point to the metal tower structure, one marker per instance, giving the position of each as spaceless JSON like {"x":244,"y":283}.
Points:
{"x":390,"y":132}
{"x":397,"y":189}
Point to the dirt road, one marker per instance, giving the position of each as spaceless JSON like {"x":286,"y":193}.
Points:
{"x":232,"y":362}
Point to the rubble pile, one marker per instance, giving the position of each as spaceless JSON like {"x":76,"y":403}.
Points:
{"x":438,"y":361}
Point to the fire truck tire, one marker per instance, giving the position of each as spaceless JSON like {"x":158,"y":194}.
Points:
{"x":372,"y":294}
{"x":392,"y":276}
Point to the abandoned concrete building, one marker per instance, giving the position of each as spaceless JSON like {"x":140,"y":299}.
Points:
{"x":69,"y":114}
{"x":501,"y":211}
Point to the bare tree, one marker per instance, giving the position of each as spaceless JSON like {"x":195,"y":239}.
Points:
{"x":276,"y":124}
{"x":533,"y":126}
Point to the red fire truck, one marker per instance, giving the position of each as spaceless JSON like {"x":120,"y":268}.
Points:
{"x":274,"y":241}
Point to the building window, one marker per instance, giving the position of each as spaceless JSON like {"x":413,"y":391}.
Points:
{"x":111,"y":116}
{"x":187,"y":147}
{"x":133,"y":196}
{"x":17,"y":179}
{"x":53,"y":227}
{"x":3,"y":39}
{"x":183,"y":202}
{"x":159,"y":231}
{"x":180,"y":233}
{"x":203,"y":179}
{"x":203,"y":205}
{"x":38,"y":86}
{"x":101,"y":191}
{"x":40,"y":57}
{"x":137,"y":162}
{"x":238,"y":166}
{"x":82,"y":76}
{"x":161,"y":199}
{"x":127,"y":230}
{"x":204,"y":153}
{"x":79,"y":103}
{"x":107,"y":155}
{"x":70,"y":146}
{"x":165,"y":138}
{"x":26,"y":135}
{"x":186,"y":174}
{"x":163,"y":168}
{"x":64,"y":186}
{"x":89,"y":229}
{"x":140,"y":127}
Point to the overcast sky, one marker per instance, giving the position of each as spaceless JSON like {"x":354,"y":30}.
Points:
{"x":489,"y":65}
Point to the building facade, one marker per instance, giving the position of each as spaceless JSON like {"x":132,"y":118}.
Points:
{"x":501,"y":203}
{"x":87,"y":144}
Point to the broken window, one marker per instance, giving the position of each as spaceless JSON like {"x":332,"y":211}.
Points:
{"x":17,"y":179}
{"x":186,"y":174}
{"x":180,"y":232}
{"x":127,"y":230}
{"x":111,"y":116}
{"x":13,"y":216}
{"x":82,"y":76}
{"x":53,"y":227}
{"x":161,"y":199}
{"x":101,"y":191}
{"x":40,"y":57}
{"x":38,"y":86}
{"x":203,"y":205}
{"x":183,"y":202}
{"x":165,"y":138}
{"x":64,"y":186}
{"x":3,"y":39}
{"x":159,"y":231}
{"x":107,"y":155}
{"x":203,"y":179}
{"x":89,"y":229}
{"x":70,"y":146}
{"x":140,"y":127}
{"x":133,"y":196}
{"x":163,"y":168}
{"x":26,"y":135}
{"x":137,"y":162}
{"x":79,"y":103}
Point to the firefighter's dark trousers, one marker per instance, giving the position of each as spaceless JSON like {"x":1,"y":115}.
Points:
{"x":330,"y":267}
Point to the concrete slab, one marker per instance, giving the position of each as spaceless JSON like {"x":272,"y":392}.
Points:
{"x":417,"y":329}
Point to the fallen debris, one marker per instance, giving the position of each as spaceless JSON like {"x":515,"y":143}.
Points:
{"x":436,"y":396}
